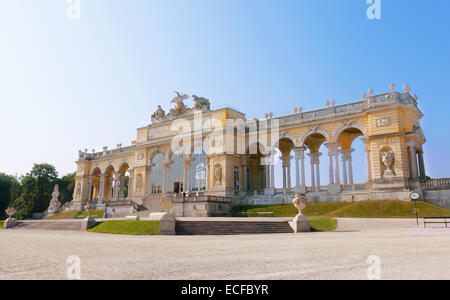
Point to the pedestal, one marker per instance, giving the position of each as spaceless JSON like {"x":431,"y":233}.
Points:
{"x":166,"y":222}
{"x":9,"y":223}
{"x":300,"y":224}
{"x":88,"y":223}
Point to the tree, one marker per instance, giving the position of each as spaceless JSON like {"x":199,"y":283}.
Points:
{"x":66,"y":188}
{"x":37,"y":188}
{"x":9,"y":191}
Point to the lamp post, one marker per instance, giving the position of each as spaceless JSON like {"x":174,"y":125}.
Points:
{"x":415,"y":196}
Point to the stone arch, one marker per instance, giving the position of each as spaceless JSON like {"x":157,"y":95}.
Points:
{"x":95,"y":168}
{"x":154,"y":152}
{"x":122,"y":164}
{"x":344,"y":127}
{"x":108,"y":167}
{"x":286,"y":135}
{"x":312,"y":131}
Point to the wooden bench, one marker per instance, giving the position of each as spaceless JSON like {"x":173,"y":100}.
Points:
{"x":430,"y":220}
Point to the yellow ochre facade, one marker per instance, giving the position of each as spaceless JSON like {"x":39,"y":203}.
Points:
{"x":213,"y":163}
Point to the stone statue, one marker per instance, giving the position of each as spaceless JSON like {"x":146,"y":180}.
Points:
{"x":158,"y":115}
{"x":201,"y":103}
{"x":54,"y":203}
{"x":10,"y":222}
{"x":78,"y":192}
{"x":180,"y":107}
{"x":218,"y":175}
{"x":300,"y":222}
{"x":387,"y":158}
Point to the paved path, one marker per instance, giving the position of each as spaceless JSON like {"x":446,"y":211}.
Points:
{"x":405,"y":252}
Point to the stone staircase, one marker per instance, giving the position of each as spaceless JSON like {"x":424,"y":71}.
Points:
{"x":50,"y":225}
{"x":231,"y":227}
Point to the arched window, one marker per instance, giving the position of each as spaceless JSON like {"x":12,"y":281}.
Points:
{"x":176,"y":173}
{"x":236,"y":178}
{"x":156,"y":175}
{"x":198,"y":167}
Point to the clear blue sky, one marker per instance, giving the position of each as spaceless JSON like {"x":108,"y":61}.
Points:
{"x":69,"y":85}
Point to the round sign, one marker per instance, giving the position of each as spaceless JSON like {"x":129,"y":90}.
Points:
{"x":415,"y":196}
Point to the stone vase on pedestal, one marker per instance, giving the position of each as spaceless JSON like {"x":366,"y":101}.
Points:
{"x":10,"y":222}
{"x":89,"y":221}
{"x":300,"y":222}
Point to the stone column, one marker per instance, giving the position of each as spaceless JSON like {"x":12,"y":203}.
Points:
{"x":116,"y":186}
{"x":267,"y":176}
{"x":101,"y":195}
{"x":302,"y":167}
{"x":289,"y":177}
{"x":272,"y":176}
{"x":90,"y":189}
{"x":413,"y":161}
{"x":187,"y":175}
{"x":122,"y":180}
{"x":130,"y":184}
{"x":368,"y":159}
{"x":350,"y":169}
{"x":318,"y":171}
{"x":111,"y":188}
{"x":284,"y":172}
{"x":297,"y":168}
{"x":331,"y":171}
{"x":244,"y":168}
{"x":315,"y":163}
{"x":336,"y":167}
{"x":166,"y":176}
{"x":313,"y":175}
{"x":347,"y":162}
{"x":344,"y":170}
{"x":423,"y":174}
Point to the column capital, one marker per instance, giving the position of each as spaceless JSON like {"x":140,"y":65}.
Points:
{"x":286,"y":160}
{"x":314,"y":157}
{"x":300,"y":152}
{"x":333,"y":148}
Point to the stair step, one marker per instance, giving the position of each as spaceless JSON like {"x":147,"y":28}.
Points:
{"x":230,"y":227}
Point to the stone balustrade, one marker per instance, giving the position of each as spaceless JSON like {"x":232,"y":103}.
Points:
{"x":435,"y":184}
{"x":382,"y":99}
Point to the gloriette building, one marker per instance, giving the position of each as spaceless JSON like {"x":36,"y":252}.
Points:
{"x":206,"y":159}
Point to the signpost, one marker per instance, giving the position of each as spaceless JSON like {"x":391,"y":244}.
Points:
{"x":415,"y":196}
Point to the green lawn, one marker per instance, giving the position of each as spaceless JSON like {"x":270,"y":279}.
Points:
{"x":75,"y":215}
{"x":1,"y":224}
{"x":363,"y":209}
{"x":322,"y":215}
{"x":127,"y":227}
{"x":322,"y":223}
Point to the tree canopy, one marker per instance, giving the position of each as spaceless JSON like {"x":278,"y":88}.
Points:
{"x":34,"y":192}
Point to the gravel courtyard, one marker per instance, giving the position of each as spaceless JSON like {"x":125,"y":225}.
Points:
{"x":406,"y":252}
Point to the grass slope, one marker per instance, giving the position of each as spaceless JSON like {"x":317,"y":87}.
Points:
{"x":66,"y":215}
{"x":364,"y":209}
{"x":127,"y":227}
{"x":322,"y":224}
